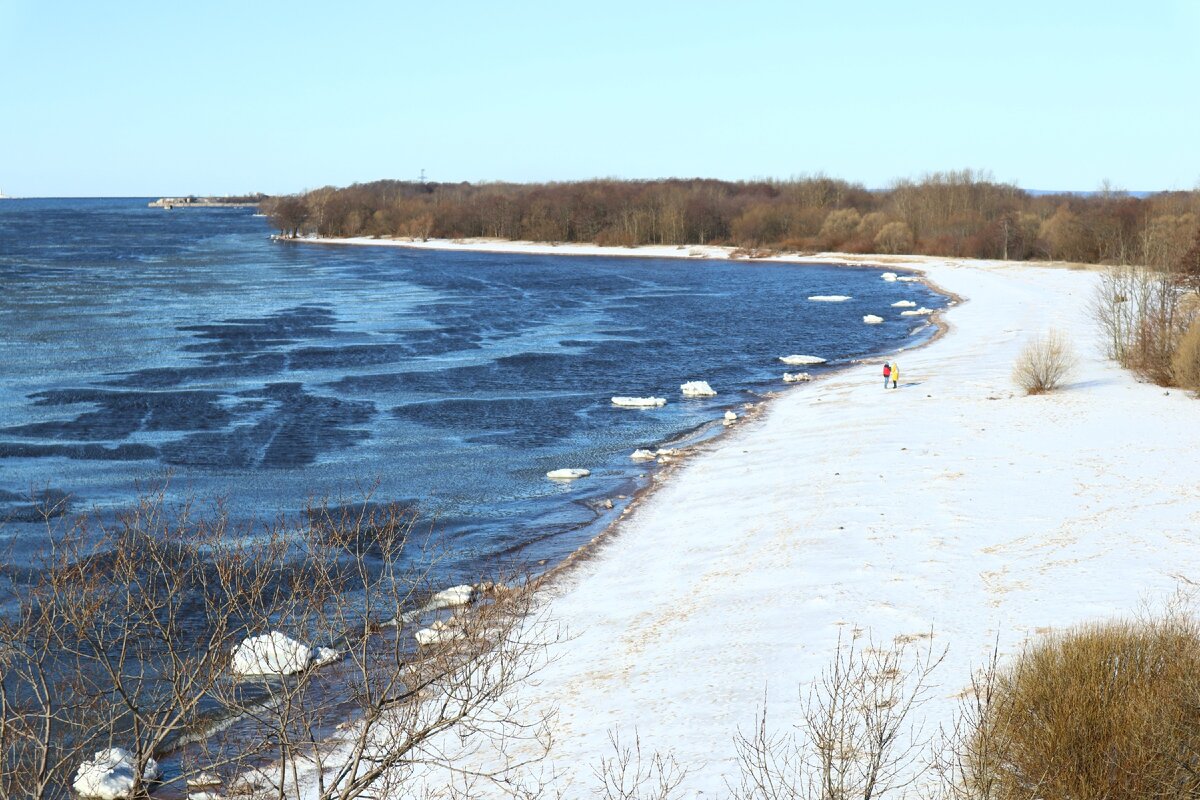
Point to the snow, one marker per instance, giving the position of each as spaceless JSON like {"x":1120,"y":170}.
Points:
{"x":642,"y":455}
{"x":872,"y":319}
{"x":797,"y":360}
{"x":464,"y":593}
{"x":567,"y":474}
{"x":697,"y":389}
{"x":270,"y":654}
{"x":904,"y":304}
{"x":796,"y":377}
{"x":639,"y":402}
{"x":110,"y":773}
{"x":830,"y":298}
{"x":917,"y":312}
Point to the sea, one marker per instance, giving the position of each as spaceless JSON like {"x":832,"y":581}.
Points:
{"x":185,"y":352}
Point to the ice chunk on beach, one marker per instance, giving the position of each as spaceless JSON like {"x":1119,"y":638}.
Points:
{"x":830,"y":298}
{"x":567,"y":474}
{"x":270,"y":654}
{"x":917,"y":312}
{"x":697,"y":389}
{"x":462,"y":594}
{"x":730,"y":416}
{"x":441,"y":631}
{"x":872,"y":319}
{"x":903,"y":304}
{"x":639,"y":402}
{"x":642,"y":455}
{"x":889,"y":276}
{"x":796,"y":377}
{"x":797,"y":360}
{"x":109,"y":775}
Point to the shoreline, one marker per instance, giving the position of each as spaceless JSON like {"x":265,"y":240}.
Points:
{"x":659,"y":473}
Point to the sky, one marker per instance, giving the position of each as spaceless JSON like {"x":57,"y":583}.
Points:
{"x":211,"y":97}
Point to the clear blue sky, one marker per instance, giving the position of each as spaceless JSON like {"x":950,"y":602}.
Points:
{"x":202,"y":96}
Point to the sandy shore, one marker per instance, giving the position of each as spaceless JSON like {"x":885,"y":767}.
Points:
{"x":953,"y":505}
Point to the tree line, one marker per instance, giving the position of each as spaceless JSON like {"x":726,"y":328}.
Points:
{"x":959,"y":213}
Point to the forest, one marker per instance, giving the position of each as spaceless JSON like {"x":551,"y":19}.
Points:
{"x":961,"y":213}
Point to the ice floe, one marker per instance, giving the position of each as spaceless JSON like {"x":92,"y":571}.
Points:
{"x":697,"y":389}
{"x":110,"y":774}
{"x":797,"y":360}
{"x":872,"y":319}
{"x":917,"y":312}
{"x":903,"y":304}
{"x":642,"y":455}
{"x":275,"y":653}
{"x":639,"y":402}
{"x":462,"y":594}
{"x":730,"y":417}
{"x":567,"y":474}
{"x":889,"y":276}
{"x":909,"y":278}
{"x":796,"y":377}
{"x":444,"y":630}
{"x":830,"y":298}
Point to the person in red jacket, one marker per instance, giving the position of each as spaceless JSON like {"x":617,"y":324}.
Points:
{"x":887,"y":374}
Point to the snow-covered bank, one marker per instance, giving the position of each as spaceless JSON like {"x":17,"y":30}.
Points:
{"x":953,"y":505}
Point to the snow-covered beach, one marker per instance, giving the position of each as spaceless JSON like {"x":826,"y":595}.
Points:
{"x":953,"y":506}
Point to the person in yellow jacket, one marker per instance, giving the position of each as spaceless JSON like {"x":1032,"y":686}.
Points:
{"x":895,"y":374}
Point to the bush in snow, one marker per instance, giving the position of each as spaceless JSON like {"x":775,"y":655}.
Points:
{"x":1044,"y":364}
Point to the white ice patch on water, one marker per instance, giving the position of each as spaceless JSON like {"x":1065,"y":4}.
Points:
{"x":796,"y":377}
{"x":903,"y":304}
{"x":917,"y":312}
{"x":110,"y":774}
{"x":639,"y":402}
{"x":697,"y":389}
{"x":441,"y":631}
{"x":909,"y":278}
{"x":797,"y":360}
{"x":642,"y":455}
{"x":270,"y":654}
{"x":830,"y":298}
{"x":889,"y":276}
{"x":872,"y":319}
{"x":463,"y":594}
{"x":567,"y":474}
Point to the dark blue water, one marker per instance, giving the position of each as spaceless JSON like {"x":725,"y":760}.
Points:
{"x":137,"y":343}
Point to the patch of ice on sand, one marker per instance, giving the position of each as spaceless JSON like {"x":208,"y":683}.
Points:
{"x":639,"y":402}
{"x":697,"y":389}
{"x":110,"y":774}
{"x":797,"y":360}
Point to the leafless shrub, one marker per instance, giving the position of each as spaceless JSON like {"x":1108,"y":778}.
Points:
{"x":123,"y":637}
{"x":628,"y":774}
{"x":859,"y":738}
{"x":1144,"y":314}
{"x":1102,"y":710}
{"x":1044,"y":364}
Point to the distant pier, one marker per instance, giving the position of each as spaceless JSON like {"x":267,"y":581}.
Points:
{"x":169,"y":203}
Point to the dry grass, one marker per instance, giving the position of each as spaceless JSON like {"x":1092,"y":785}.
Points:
{"x":1185,"y":364}
{"x":1102,"y":711}
{"x":1045,"y":363}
